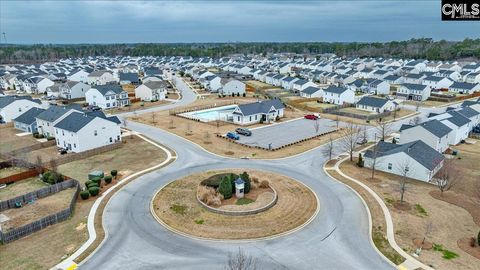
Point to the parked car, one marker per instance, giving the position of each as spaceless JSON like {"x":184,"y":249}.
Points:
{"x":62,"y":151}
{"x":233,"y":136}
{"x":243,"y":131}
{"x":311,"y":117}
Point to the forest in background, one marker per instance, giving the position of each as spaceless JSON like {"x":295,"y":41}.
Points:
{"x":424,"y":48}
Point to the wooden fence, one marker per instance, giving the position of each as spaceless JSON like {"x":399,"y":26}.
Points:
{"x":18,"y":176}
{"x":25,"y":230}
{"x":198,"y":108}
{"x":6,"y":125}
{"x":27,"y":149}
{"x":85,"y":154}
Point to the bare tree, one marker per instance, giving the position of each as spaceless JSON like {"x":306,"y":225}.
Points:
{"x":240,"y":261}
{"x":384,"y":128}
{"x":448,"y":175}
{"x":374,"y":156}
{"x":316,"y":125}
{"x":207,"y":137}
{"x":415,"y":121}
{"x":350,"y":136}
{"x":171,"y":123}
{"x":337,"y":120}
{"x":395,"y":104}
{"x":417,"y":105}
{"x":124,"y":123}
{"x":39,"y":164}
{"x":329,"y":146}
{"x":153,"y":118}
{"x":403,"y":167}
{"x":188,"y":129}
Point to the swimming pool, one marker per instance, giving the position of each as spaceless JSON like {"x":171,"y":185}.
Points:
{"x":207,"y":115}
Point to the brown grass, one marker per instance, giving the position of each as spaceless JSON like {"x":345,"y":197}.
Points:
{"x":38,"y":209}
{"x":10,"y":141}
{"x":296,"y":204}
{"x":21,"y":187}
{"x":449,"y":222}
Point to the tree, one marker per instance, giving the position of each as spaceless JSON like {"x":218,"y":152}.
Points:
{"x":337,"y":121}
{"x":360,"y":160}
{"x":374,"y":157}
{"x":327,"y":151}
{"x":447,"y":176}
{"x":39,"y":164}
{"x":403,"y":168}
{"x":240,"y":261}
{"x":415,"y":121}
{"x":225,"y":187}
{"x":316,"y":125}
{"x":172,"y":126}
{"x":245,"y":177}
{"x":153,"y":118}
{"x":350,"y":136}
{"x":383,"y":127}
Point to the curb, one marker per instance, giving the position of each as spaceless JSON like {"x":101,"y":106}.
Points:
{"x":248,"y":240}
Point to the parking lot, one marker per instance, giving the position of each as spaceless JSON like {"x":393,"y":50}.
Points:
{"x":281,"y":134}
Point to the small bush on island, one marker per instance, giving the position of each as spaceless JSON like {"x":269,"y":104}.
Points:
{"x":108,"y":179}
{"x":245,"y":177}
{"x":94,"y":191}
{"x":264,"y":184}
{"x":84,"y":194}
{"x":114,"y":173}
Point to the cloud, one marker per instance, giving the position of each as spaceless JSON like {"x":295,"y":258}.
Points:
{"x":219,"y":21}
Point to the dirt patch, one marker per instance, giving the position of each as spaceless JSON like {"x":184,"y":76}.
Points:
{"x":296,"y":205}
{"x":402,"y":206}
{"x":425,"y":245}
{"x":21,"y":187}
{"x":37,"y":209}
{"x":460,"y":201}
{"x":465,"y":245}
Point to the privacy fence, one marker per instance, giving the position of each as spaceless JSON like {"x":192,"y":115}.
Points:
{"x":19,"y":232}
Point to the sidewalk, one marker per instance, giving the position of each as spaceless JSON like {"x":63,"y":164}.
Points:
{"x":410,"y":262}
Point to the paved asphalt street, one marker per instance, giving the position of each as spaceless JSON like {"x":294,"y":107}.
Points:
{"x":337,"y":238}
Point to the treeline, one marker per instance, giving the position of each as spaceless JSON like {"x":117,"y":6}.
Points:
{"x":424,"y":48}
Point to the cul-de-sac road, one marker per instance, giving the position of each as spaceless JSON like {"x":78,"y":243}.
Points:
{"x":338,"y":237}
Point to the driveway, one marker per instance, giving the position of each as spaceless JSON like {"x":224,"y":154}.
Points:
{"x":281,"y":134}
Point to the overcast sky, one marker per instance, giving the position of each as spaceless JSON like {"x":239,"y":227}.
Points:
{"x":225,"y":21}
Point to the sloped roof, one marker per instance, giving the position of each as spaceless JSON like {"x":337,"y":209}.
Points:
{"x":435,"y":127}
{"x":372,"y":101}
{"x":103,"y":89}
{"x":417,"y":150}
{"x":263,"y":106}
{"x":7,"y":100}
{"x":54,"y":112}
{"x":28,"y":117}
{"x":310,"y":90}
{"x":335,"y":89}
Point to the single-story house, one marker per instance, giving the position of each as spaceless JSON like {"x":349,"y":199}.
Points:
{"x":375,"y":104}
{"x":258,"y":112}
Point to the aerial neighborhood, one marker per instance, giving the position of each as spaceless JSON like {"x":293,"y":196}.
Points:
{"x":398,"y":122}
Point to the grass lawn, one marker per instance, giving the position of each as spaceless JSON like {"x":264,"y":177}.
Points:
{"x":243,"y":201}
{"x":5,"y":172}
{"x":204,"y":133}
{"x":134,"y":155}
{"x":449,"y":222}
{"x":177,"y":206}
{"x":21,"y":187}
{"x":138,"y":106}
{"x":258,"y":85}
{"x":355,"y":111}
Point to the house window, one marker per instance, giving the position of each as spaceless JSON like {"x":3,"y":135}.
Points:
{"x":48,"y":124}
{"x":111,"y":140}
{"x":118,"y":138}
{"x":407,"y":169}
{"x":238,"y":118}
{"x":74,"y":145}
{"x":19,"y":109}
{"x":389,"y":166}
{"x":250,"y":118}
{"x":95,"y":133}
{"x":256,"y":117}
{"x":63,"y":133}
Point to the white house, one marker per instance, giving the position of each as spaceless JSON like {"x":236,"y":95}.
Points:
{"x":100,"y":77}
{"x":311,"y":92}
{"x":473,"y":78}
{"x":26,"y":121}
{"x":151,"y":91}
{"x":434,"y":133}
{"x":51,"y":116}
{"x":81,"y":132}
{"x":12,"y":107}
{"x":258,"y":112}
{"x":232,"y":86}
{"x":107,"y":96}
{"x":410,"y":91}
{"x":435,"y":82}
{"x":464,"y":88}
{"x":73,"y":90}
{"x":460,"y":125}
{"x":301,"y":84}
{"x":413,"y":78}
{"x":287,"y":82}
{"x":375,"y":105}
{"x":338,"y":95}
{"x":40,"y":84}
{"x":212,"y":83}
{"x":78,"y":75}
{"x":414,"y":160}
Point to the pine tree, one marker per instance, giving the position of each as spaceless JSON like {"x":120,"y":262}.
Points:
{"x":360,"y":160}
{"x":245,"y":177}
{"x":225,"y":188}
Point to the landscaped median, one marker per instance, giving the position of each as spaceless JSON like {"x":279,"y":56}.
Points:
{"x":180,"y":206}
{"x":424,"y":219}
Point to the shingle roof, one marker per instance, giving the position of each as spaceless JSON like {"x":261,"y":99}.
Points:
{"x":457,"y":119}
{"x":310,"y":90}
{"x":372,"y":101}
{"x":414,"y":86}
{"x":131,"y":77}
{"x":28,"y":117}
{"x":7,"y":100}
{"x":335,"y":89}
{"x":54,"y":112}
{"x":468,"y":112}
{"x":435,"y":127}
{"x":417,"y":150}
{"x":74,"y":121}
{"x":263,"y":106}
{"x":103,"y":89}
{"x":463,"y":85}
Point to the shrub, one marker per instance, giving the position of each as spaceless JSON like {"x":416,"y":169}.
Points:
{"x":108,"y":179}
{"x":97,"y":180}
{"x":245,"y":177}
{"x":244,"y":95}
{"x":114,"y":173}
{"x":360,"y":160}
{"x":94,"y":191}
{"x":225,"y":188}
{"x":50,"y":138}
{"x":52,"y":177}
{"x":93,"y":184}
{"x":264,"y":184}
{"x":88,"y":183}
{"x":179,"y":209}
{"x":84,"y":194}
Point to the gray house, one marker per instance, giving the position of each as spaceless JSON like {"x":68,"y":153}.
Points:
{"x":26,"y":121}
